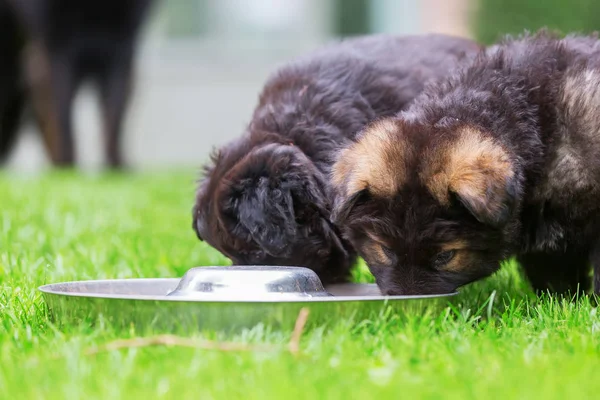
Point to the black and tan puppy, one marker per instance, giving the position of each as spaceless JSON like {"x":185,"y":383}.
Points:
{"x":265,"y":198}
{"x":502,"y":158}
{"x":71,"y":41}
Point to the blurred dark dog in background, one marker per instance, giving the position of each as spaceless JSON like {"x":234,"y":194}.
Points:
{"x":69,"y":42}
{"x":265,"y":198}
{"x":12,"y":90}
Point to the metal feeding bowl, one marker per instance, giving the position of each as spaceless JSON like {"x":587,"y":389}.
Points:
{"x":224,"y":299}
{"x":243,"y":283}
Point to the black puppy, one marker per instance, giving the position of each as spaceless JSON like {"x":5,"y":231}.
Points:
{"x":501,"y":158}
{"x":71,"y":41}
{"x":265,"y":198}
{"x":12,"y":91}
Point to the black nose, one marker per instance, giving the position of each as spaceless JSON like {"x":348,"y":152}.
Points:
{"x":394,"y":292}
{"x":411,"y":291}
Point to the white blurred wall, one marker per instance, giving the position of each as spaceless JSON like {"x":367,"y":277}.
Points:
{"x":196,"y":91}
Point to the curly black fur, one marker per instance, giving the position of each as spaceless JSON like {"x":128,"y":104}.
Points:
{"x":524,"y":118}
{"x":265,"y":197}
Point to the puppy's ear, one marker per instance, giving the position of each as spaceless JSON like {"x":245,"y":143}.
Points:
{"x":202,"y":195}
{"x":198,"y":224}
{"x":343,"y":206}
{"x":373,"y":166}
{"x":274,"y":193}
{"x":481,"y":175}
{"x":268,"y":217}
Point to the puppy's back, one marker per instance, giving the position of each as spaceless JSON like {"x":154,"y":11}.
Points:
{"x":374,"y":76}
{"x":430,"y":55}
{"x":413,"y":57}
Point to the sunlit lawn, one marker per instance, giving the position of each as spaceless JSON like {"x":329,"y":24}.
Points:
{"x":496,"y":341}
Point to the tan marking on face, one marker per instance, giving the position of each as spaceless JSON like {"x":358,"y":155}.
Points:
{"x":375,"y":162}
{"x":374,"y":252}
{"x":461,"y":262}
{"x":455,"y":245}
{"x":463,"y":258}
{"x":374,"y":249}
{"x":467,"y":165}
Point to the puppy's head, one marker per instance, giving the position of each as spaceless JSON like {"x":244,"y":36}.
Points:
{"x":429,"y":207}
{"x":268,"y":204}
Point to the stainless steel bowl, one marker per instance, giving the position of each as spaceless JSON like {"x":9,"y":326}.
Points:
{"x":244,"y":283}
{"x":225,"y":299}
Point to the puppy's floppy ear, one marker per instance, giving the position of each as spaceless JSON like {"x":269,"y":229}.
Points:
{"x":268,"y":218}
{"x":343,"y":205}
{"x":480,"y":174}
{"x":274,"y":193}
{"x":202,"y":194}
{"x":198,"y":224}
{"x":373,"y":166}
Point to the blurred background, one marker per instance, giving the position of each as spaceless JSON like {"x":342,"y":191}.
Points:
{"x":202,"y":63}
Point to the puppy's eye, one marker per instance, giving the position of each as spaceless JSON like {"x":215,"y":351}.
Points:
{"x":376,"y":253}
{"x":443,"y":258}
{"x":388,"y":252}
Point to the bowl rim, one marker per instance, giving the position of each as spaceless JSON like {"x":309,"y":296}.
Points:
{"x":51,"y":289}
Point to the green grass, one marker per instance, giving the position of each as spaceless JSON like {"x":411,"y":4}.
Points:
{"x":495,"y":18}
{"x":496,"y":341}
